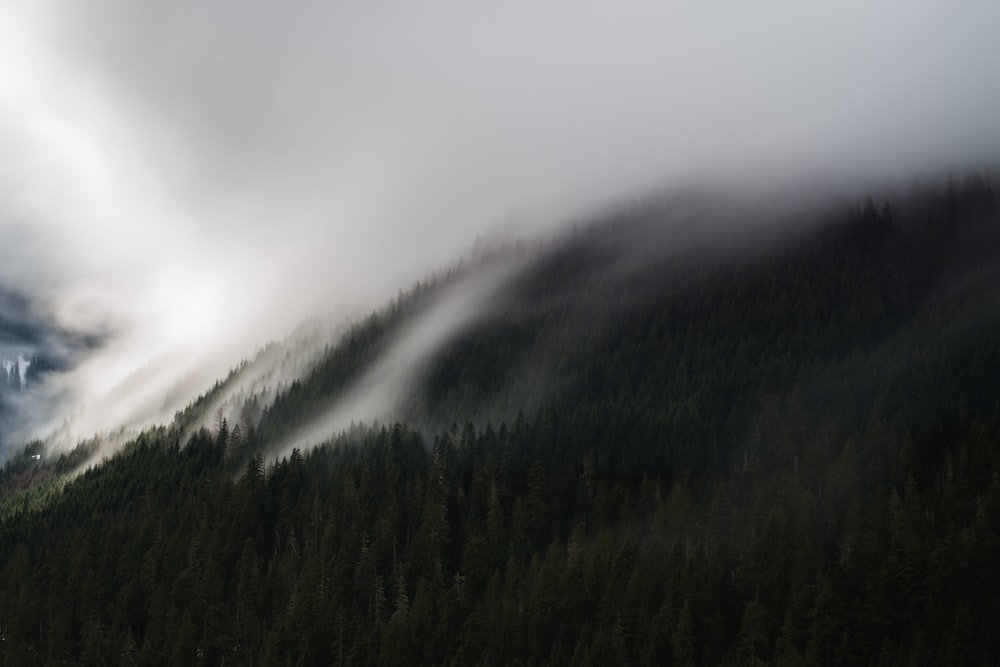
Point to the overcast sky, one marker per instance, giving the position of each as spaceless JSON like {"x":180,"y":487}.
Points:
{"x":194,"y":177}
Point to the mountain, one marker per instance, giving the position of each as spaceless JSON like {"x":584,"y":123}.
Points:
{"x":15,"y":372}
{"x":34,"y":348}
{"x":688,"y":431}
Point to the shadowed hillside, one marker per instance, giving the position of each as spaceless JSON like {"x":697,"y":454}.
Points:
{"x":698,"y":436}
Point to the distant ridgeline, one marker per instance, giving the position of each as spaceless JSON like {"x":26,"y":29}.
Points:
{"x":671,"y":441}
{"x":20,"y":333}
{"x":18,"y":376}
{"x":15,"y":376}
{"x":32,"y":346}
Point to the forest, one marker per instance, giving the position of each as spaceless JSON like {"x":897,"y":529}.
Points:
{"x":764,"y":444}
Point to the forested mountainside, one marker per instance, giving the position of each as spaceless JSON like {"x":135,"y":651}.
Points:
{"x":779,"y":446}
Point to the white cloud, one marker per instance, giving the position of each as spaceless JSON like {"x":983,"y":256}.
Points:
{"x":197,"y":177}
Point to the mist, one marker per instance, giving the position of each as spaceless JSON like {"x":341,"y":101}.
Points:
{"x":182,"y":183}
{"x":383,"y":387}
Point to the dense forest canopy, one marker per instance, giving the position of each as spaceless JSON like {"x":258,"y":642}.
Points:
{"x":759,"y":445}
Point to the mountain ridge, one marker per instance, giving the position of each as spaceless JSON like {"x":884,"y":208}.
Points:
{"x":639,"y":454}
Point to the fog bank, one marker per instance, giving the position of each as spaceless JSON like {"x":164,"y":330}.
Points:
{"x":182,"y":182}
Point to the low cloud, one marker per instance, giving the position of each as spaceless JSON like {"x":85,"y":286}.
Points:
{"x":181,"y":183}
{"x":380,"y":391}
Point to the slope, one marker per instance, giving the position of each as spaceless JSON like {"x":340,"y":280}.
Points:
{"x":755,"y":445}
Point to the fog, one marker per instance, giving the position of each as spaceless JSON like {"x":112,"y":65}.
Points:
{"x":387,"y":382}
{"x":182,"y":182}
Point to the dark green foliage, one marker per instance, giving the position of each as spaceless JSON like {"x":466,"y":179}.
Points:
{"x":790,"y":459}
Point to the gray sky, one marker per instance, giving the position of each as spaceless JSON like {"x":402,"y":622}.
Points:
{"x":196,"y":177}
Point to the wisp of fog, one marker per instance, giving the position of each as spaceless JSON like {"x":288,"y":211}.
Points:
{"x":383,"y":386}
